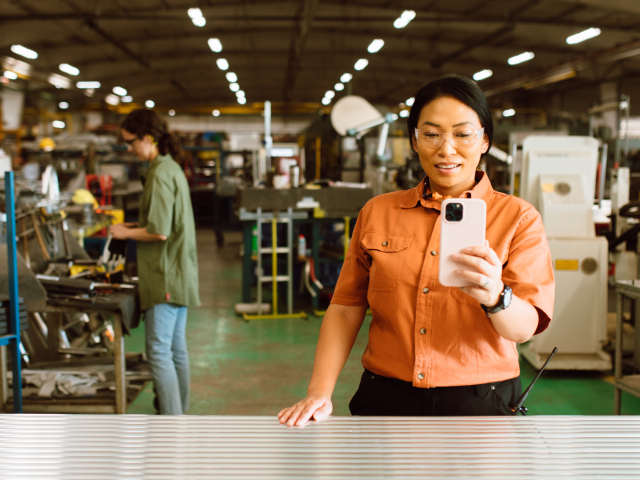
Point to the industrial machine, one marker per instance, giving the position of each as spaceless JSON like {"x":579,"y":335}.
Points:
{"x":558,"y":178}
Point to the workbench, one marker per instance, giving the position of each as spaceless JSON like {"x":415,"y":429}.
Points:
{"x":192,"y":447}
{"x":629,"y":289}
{"x":124,"y":310}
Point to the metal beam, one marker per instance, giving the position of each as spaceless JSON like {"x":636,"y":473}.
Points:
{"x":297,"y":46}
{"x":427,"y":19}
{"x":117,"y":43}
{"x":470,"y":46}
{"x":562,"y":71}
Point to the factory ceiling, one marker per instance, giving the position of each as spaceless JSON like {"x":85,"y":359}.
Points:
{"x":292,"y":52}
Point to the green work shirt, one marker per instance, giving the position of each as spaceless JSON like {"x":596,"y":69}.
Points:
{"x":168,"y":270}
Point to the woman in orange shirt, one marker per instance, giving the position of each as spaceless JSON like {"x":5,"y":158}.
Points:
{"x":436,"y":350}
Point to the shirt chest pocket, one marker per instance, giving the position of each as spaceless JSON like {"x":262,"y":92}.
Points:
{"x":387,"y":254}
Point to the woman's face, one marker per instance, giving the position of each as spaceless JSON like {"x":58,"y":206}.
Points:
{"x":143,"y":148}
{"x":450,"y":168}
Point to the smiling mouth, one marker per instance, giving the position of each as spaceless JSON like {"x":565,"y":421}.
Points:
{"x":449,"y":166}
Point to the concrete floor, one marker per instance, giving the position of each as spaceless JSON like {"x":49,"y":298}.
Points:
{"x":258,"y":368}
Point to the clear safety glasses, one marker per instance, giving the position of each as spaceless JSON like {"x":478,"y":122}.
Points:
{"x":459,"y":139}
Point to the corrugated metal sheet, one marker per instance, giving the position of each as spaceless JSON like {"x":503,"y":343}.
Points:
{"x":188,"y":447}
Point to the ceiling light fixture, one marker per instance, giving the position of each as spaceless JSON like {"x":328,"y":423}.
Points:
{"x":326,"y":101}
{"x":232,"y":77}
{"x":330,"y":94}
{"x":404,"y":19}
{"x":338,"y":87}
{"x":63,"y":105}
{"x":361,"y":64}
{"x":88,"y":85}
{"x":66,"y":68}
{"x":127,"y":99}
{"x":346,"y":77}
{"x":523,"y":57}
{"x":24,"y":51}
{"x":509,"y":113}
{"x":112,"y":99}
{"x":149,"y":104}
{"x":240,"y":93}
{"x":404,"y":113}
{"x":242,"y":100}
{"x":172,"y":113}
{"x":234,"y":87}
{"x":375,"y":46}
{"x":216,"y":113}
{"x":222,"y":64}
{"x":119,"y":91}
{"x":481,"y":75}
{"x":215,"y":45}
{"x":409,"y":102}
{"x":10,"y":75}
{"x":58,"y":124}
{"x":582,"y":36}
{"x":197,"y":17}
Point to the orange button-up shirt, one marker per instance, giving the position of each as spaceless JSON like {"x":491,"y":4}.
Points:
{"x":423,"y":332}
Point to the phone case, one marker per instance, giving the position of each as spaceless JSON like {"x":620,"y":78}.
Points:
{"x":455,"y":236}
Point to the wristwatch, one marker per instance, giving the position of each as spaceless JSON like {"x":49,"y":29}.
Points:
{"x":505,"y":300}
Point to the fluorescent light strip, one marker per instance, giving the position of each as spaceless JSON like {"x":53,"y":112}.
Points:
{"x":481,"y":75}
{"x":361,"y":64}
{"x":58,"y":124}
{"x":338,"y":87}
{"x":24,"y":51}
{"x":232,"y":77}
{"x":119,"y":91}
{"x":10,"y":75}
{"x":410,"y":101}
{"x":523,"y":57}
{"x":215,"y":45}
{"x":149,"y":104}
{"x":404,"y":19}
{"x":88,"y":84}
{"x":66,"y":68}
{"x":376,"y":45}
{"x":582,"y":36}
{"x":222,"y":64}
{"x":509,"y":113}
{"x":346,"y":77}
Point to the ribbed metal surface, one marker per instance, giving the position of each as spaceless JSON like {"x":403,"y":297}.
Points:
{"x":189,"y":447}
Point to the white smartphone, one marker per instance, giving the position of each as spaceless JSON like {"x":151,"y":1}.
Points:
{"x":462,"y":224}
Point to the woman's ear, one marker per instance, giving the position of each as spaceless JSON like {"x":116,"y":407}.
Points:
{"x":485,"y":143}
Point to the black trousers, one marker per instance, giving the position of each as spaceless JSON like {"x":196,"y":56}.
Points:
{"x":382,"y":396}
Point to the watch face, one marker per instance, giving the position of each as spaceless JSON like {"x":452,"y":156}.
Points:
{"x":508,"y":296}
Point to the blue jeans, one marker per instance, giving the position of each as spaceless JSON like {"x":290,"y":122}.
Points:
{"x":168,"y":356}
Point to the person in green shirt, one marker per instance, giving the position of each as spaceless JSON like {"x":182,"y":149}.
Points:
{"x":167,"y":256}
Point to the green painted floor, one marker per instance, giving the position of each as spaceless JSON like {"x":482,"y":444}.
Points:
{"x":258,"y":368}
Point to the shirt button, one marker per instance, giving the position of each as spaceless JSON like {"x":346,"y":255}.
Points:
{"x":423,"y":331}
{"x":493,"y":387}
{"x":421,"y":376}
{"x":385,"y":243}
{"x":425,"y":290}
{"x":434,"y":253}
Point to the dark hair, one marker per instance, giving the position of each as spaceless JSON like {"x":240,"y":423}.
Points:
{"x":142,"y":122}
{"x":459,"y":87}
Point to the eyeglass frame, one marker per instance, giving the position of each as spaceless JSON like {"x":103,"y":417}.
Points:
{"x":477,"y":134}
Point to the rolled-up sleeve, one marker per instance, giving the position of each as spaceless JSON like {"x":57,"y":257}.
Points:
{"x":353,"y":283}
{"x":529,"y":269}
{"x":161,"y":203}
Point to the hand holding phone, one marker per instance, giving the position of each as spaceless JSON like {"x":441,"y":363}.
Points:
{"x":462,"y":225}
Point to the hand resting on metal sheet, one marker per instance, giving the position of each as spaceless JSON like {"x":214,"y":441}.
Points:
{"x":338,"y":333}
